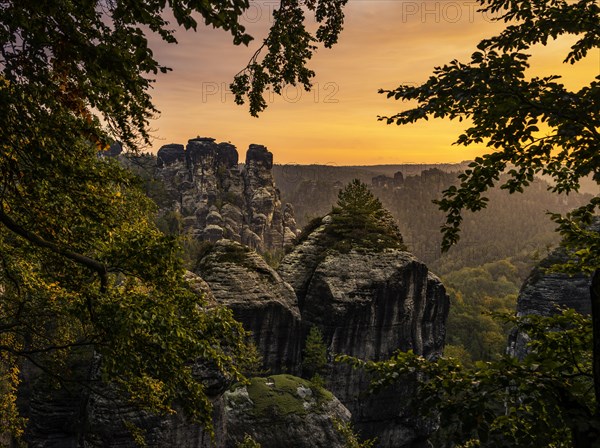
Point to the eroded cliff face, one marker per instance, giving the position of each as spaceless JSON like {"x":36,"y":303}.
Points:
{"x":216,"y":197}
{"x":240,"y":279}
{"x":544,"y":292}
{"x":368,"y":304}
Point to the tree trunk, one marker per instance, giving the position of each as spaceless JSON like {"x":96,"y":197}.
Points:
{"x":587,"y":435}
{"x":595,"y":294}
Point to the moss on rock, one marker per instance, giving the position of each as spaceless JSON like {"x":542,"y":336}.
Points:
{"x":285,"y":394}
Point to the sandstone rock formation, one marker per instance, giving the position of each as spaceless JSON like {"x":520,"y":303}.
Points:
{"x":545,"y":292}
{"x":369,"y":304}
{"x":216,"y":198}
{"x":284,"y":411}
{"x":240,"y":279}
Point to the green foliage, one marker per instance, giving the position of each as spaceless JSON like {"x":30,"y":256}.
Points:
{"x":460,"y":353}
{"x":473,"y":328}
{"x":248,"y":442}
{"x":193,"y":250}
{"x":350,"y":437}
{"x":486,"y":280}
{"x":314,"y":355}
{"x":544,"y":400}
{"x":137,"y":434}
{"x":357,"y":199}
{"x":253,"y":365}
{"x":273,"y":257}
{"x":83,"y":268}
{"x":474,"y":294}
{"x":581,"y":237}
{"x":143,"y":165}
{"x":309,"y":228}
{"x":506,"y":108}
{"x":359,"y":221}
{"x":226,"y":253}
{"x":288,"y":48}
{"x":12,"y":423}
{"x":171,"y":223}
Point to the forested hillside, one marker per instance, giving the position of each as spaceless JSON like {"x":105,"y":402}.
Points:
{"x":483,"y":273}
{"x":511,"y":226}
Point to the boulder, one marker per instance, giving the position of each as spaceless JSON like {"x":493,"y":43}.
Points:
{"x":284,"y":411}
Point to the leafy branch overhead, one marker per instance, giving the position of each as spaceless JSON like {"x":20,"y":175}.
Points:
{"x":532,"y":125}
{"x":83,"y":268}
{"x":283,"y":57}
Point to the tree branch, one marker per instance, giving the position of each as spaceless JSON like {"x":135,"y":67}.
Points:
{"x":94,"y":265}
{"x":47,"y":349}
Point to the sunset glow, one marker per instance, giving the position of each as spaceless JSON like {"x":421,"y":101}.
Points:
{"x":384,"y":44}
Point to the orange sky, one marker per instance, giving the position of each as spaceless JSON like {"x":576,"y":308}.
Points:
{"x":384,"y":44}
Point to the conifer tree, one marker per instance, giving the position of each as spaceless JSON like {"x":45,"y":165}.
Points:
{"x":314,"y":357}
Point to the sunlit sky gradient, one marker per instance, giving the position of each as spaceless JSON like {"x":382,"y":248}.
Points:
{"x":384,"y":43}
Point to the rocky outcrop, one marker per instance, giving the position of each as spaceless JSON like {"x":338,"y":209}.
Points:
{"x":368,"y":304}
{"x":240,"y":279}
{"x":283,"y":410}
{"x":545,"y":292}
{"x":216,"y":198}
